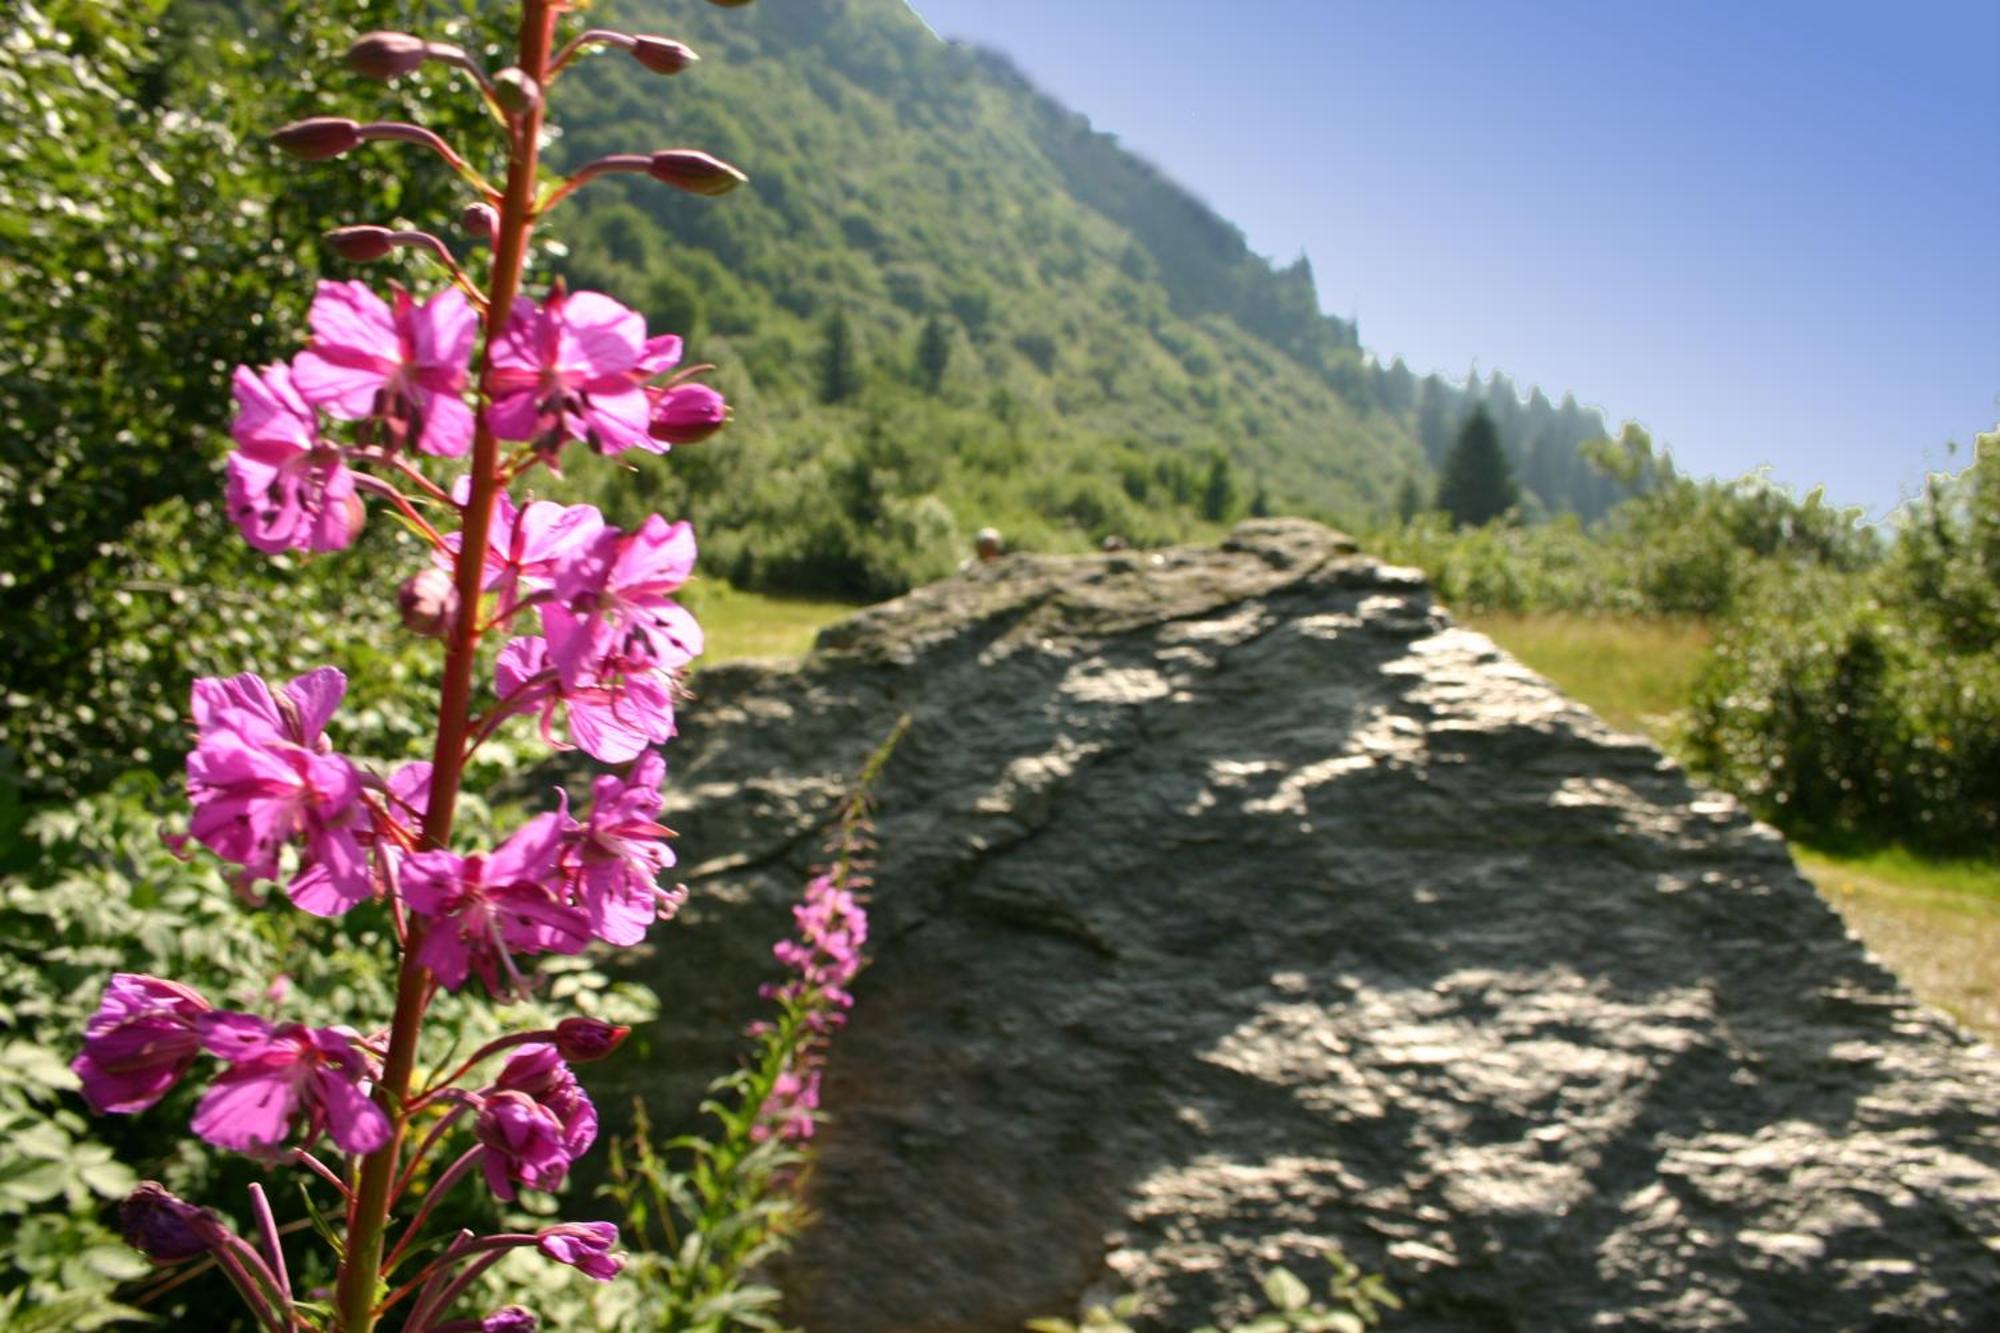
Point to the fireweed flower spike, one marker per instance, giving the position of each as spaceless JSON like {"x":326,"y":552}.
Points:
{"x":386,"y":388}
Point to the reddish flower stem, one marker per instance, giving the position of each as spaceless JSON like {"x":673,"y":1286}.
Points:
{"x":360,"y":1272}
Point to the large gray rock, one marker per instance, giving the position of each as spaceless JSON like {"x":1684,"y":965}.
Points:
{"x":1234,"y":899}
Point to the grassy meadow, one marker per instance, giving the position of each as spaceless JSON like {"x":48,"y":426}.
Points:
{"x":1934,"y":920}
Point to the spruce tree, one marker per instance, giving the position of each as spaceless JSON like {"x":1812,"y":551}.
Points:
{"x":838,"y":379}
{"x":933,"y":353}
{"x":1409,"y":501}
{"x":1218,"y":495}
{"x":1476,"y":484}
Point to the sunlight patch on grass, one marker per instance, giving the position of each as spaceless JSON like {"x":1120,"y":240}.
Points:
{"x":1936,"y":923}
{"x":742,"y":624}
{"x":1636,"y":674}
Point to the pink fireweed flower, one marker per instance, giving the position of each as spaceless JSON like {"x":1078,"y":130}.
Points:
{"x":279,"y":1077}
{"x":528,"y":545}
{"x":286,"y":490}
{"x":534,"y":1121}
{"x":403,"y":365}
{"x":619,"y":852}
{"x":573,"y":368}
{"x":523,"y":1142}
{"x":139,"y":1043}
{"x":584,"y":1246}
{"x":485,"y":907}
{"x":255,"y":789}
{"x":538,"y":1071}
{"x":616,"y":611}
{"x":614,"y":721}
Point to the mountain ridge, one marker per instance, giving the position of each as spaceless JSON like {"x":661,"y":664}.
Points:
{"x":1119,"y":361}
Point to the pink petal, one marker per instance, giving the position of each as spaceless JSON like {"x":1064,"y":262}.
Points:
{"x":234,"y":1037}
{"x":349,"y":316}
{"x":247,"y":1111}
{"x":442,"y":332}
{"x":317,"y":694}
{"x":355,"y":1123}
{"x":343,"y":383}
{"x":620,"y":417}
{"x":515,"y":416}
{"x":602,"y":336}
{"x":448,"y":426}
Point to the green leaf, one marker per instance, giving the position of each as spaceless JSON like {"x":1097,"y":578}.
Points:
{"x":1285,"y":1290}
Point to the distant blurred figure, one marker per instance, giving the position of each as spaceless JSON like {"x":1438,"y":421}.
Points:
{"x":1114,"y":543}
{"x":986,"y":545}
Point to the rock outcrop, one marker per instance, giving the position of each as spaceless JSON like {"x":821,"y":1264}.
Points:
{"x":1231,"y":900}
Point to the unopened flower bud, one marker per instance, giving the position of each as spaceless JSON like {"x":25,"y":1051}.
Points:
{"x":164,"y":1228}
{"x":688,"y":414}
{"x":428,"y":600}
{"x":516,"y":93}
{"x":662,"y":55}
{"x":319,"y":138}
{"x":513,"y":1319}
{"x":386,"y":55}
{"x":361,"y":245}
{"x":581,"y":1040}
{"x":694,"y":171}
{"x":481,"y":220}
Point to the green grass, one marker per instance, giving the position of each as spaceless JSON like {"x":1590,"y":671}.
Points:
{"x":742,"y":624}
{"x":1934,"y":921}
{"x":1635,"y":674}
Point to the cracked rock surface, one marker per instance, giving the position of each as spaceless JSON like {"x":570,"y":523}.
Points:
{"x":1233,"y":899}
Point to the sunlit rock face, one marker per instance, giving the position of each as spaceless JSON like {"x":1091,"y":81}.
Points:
{"x":1234,"y":899}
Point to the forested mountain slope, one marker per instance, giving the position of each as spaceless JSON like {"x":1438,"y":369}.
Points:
{"x":945,"y":301}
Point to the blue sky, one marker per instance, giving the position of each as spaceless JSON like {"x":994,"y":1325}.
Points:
{"x":1767,"y":231}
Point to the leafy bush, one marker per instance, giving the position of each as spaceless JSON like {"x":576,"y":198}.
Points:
{"x":1868,"y":707}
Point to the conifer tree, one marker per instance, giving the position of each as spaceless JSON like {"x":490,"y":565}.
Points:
{"x":933,"y":353}
{"x":1476,"y":484}
{"x":1218,"y":495}
{"x":838,"y":378}
{"x":1409,"y":500}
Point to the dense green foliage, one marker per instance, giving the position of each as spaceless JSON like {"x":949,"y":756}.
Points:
{"x":1677,"y":546}
{"x":1869,"y":705}
{"x":1854,"y":685}
{"x":149,"y":242}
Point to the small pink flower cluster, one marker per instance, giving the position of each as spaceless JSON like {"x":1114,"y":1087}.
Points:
{"x":579,"y":367}
{"x":263,"y":778}
{"x":825,"y":956}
